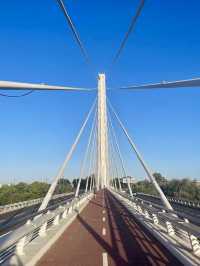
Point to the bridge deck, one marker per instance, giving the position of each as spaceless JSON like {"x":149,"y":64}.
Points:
{"x":119,"y":240}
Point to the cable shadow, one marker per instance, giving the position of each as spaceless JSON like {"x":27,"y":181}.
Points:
{"x":98,"y":204}
{"x":138,"y":243}
{"x":111,"y":252}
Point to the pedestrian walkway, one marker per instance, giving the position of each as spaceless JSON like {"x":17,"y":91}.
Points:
{"x":104,"y":234}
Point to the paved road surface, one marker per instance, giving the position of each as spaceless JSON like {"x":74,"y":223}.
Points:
{"x":105,"y":234}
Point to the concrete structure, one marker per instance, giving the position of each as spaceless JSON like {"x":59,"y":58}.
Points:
{"x":128,"y":179}
{"x":102,"y":134}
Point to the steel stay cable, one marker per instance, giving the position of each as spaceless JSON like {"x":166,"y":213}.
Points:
{"x":16,"y":96}
{"x":111,"y":167}
{"x":114,"y":142}
{"x":114,"y":158}
{"x":130,"y":29}
{"x":111,"y":172}
{"x":73,"y":29}
{"x":92,"y":156}
{"x":89,"y":157}
{"x":86,"y":154}
{"x":68,"y":157}
{"x":119,"y":153}
{"x":142,"y":162}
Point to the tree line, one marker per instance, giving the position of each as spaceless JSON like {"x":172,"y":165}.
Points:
{"x":177,"y":188}
{"x":22,"y":191}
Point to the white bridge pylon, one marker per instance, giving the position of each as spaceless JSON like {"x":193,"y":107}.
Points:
{"x":102,"y":172}
{"x":102,"y":175}
{"x":102,"y":149}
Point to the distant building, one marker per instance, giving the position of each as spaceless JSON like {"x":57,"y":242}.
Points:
{"x":197,"y":182}
{"x":129,"y":179}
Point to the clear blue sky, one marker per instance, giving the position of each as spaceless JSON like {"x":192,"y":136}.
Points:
{"x":37,"y":46}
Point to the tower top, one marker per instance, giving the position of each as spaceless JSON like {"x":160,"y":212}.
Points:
{"x":101,"y":76}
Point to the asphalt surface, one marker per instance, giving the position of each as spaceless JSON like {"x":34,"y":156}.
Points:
{"x":12,"y":220}
{"x":192,"y":213}
{"x":105,"y":233}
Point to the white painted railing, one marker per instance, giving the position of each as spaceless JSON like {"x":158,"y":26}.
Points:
{"x":173,"y":226}
{"x":28,"y":203}
{"x":37,"y":226}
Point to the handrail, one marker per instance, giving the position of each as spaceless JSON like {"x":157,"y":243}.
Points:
{"x":180,"y":214}
{"x":6,"y":226}
{"x":18,"y":205}
{"x":37,"y":225}
{"x":190,"y":203}
{"x":172,"y":224}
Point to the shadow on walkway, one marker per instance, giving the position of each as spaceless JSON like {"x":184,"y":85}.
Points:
{"x":131,"y":243}
{"x":140,"y":246}
{"x":102,"y":242}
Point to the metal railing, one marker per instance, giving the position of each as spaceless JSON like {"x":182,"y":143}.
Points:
{"x":28,"y":203}
{"x":172,"y":224}
{"x":184,"y":202}
{"x":37,"y":226}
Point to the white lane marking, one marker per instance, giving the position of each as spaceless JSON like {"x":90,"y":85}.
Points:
{"x":104,"y":219}
{"x":104,"y":231}
{"x":103,"y":211}
{"x":105,"y":259}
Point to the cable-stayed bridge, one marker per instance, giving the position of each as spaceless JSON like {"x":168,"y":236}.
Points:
{"x":104,"y":224}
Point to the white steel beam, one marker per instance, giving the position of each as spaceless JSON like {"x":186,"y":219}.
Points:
{"x":166,"y":85}
{"x":10,"y":85}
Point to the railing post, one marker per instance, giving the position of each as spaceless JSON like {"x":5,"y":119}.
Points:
{"x":43,"y":229}
{"x":56,"y":220}
{"x":20,"y":246}
{"x":170,"y":229}
{"x":139,"y":209}
{"x":146,"y":214}
{"x":64,"y":215}
{"x":70,"y":209}
{"x":28,"y":222}
{"x":155,"y":218}
{"x":194,"y":244}
{"x":134,"y":206}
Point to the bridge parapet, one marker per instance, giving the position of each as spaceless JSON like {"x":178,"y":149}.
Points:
{"x":40,"y":226}
{"x":23,"y":204}
{"x":185,"y":202}
{"x":170,"y":227}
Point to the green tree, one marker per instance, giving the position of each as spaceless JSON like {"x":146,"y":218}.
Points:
{"x":63,"y":186}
